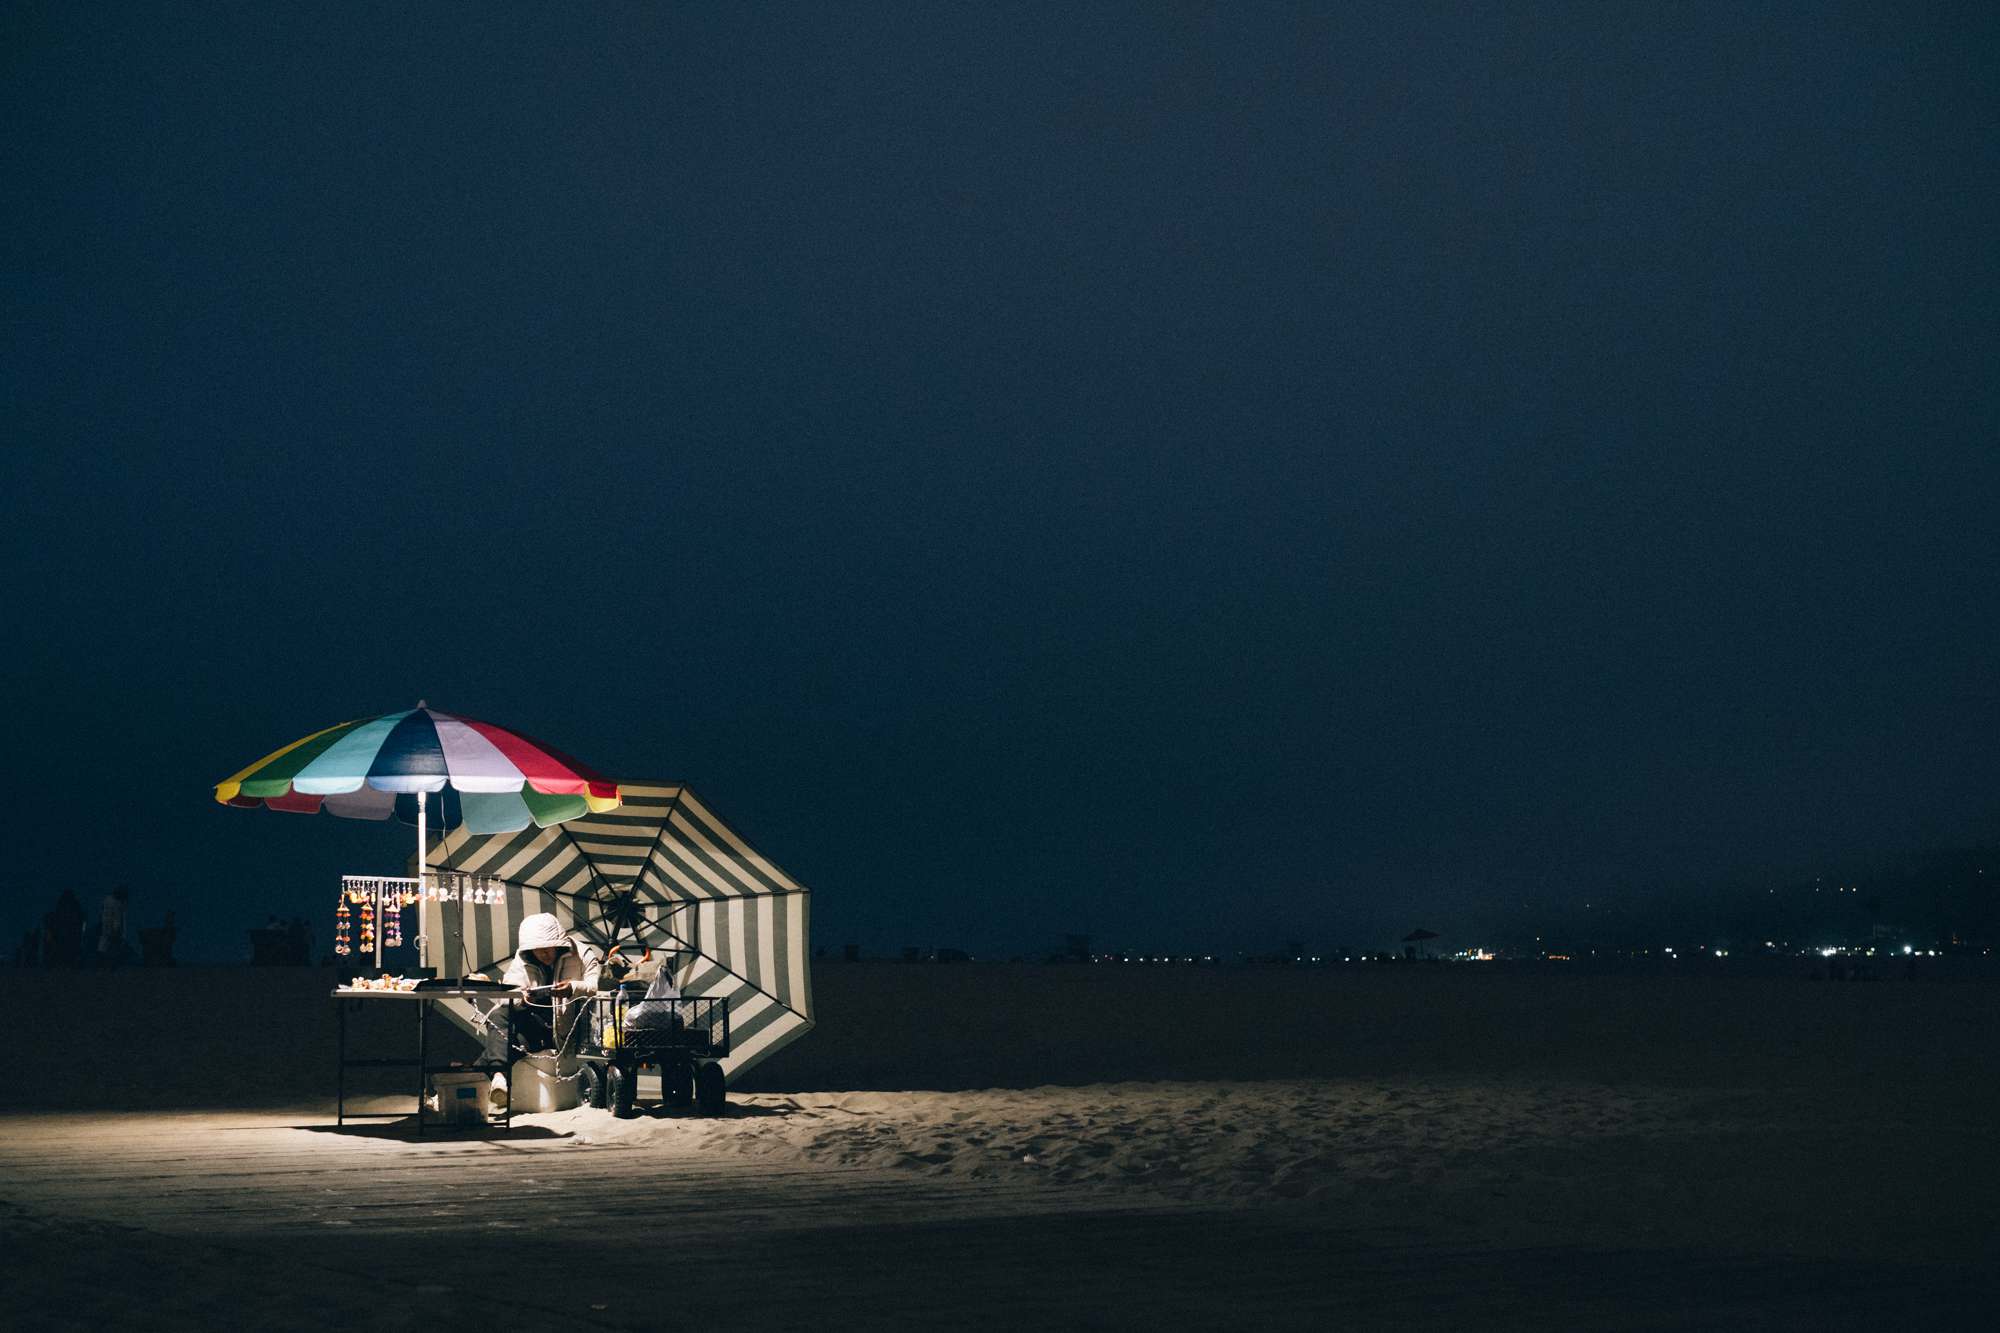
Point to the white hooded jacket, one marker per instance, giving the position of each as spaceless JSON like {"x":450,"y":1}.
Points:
{"x":580,"y":963}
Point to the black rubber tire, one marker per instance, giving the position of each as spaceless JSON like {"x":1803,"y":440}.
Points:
{"x":624,"y":1090}
{"x":711,"y":1090}
{"x":676,"y":1084}
{"x":590,"y":1084}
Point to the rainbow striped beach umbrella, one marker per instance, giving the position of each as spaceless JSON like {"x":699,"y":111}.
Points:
{"x":419,"y":763}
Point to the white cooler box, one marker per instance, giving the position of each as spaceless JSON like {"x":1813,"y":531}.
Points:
{"x":457,"y":1099}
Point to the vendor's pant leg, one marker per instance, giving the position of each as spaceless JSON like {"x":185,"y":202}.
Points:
{"x":532,"y":1029}
{"x":531,"y":1033}
{"x":494,"y":1045}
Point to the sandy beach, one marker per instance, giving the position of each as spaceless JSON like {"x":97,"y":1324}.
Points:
{"x":1417,"y":1147}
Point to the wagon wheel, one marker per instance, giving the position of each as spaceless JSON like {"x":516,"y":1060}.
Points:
{"x":591,"y":1089}
{"x":624,"y":1089}
{"x":710,"y":1089}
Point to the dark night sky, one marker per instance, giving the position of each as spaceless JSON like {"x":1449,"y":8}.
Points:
{"x":1195,"y":474}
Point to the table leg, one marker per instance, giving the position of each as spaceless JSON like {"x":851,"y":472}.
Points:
{"x":423,"y":1058}
{"x":340,"y":1067}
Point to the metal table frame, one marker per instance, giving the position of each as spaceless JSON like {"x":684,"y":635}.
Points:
{"x":422,"y":1064}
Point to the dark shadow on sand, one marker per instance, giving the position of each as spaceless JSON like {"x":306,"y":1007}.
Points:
{"x":731,"y":1111}
{"x":406,"y":1129}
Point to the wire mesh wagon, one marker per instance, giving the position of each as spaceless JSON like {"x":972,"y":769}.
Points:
{"x":684,"y":1038}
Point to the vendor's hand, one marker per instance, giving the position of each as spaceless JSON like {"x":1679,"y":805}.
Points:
{"x":561,"y":988}
{"x":477,"y":976}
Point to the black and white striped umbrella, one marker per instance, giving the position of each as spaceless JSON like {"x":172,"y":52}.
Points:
{"x":660,"y":872}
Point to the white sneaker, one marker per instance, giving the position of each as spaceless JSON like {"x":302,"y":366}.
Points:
{"x":496,"y":1096}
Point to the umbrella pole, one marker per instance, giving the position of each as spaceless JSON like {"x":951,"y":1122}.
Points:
{"x":423,"y":844}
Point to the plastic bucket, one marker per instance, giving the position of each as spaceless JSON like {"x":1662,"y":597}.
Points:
{"x":539,"y":1083}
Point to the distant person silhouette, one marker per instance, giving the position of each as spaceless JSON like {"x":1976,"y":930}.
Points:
{"x":268,"y":944}
{"x":298,"y":942}
{"x":156,"y":945}
{"x":111,"y":946}
{"x":64,"y":946}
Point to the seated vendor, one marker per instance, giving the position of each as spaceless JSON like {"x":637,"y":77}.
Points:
{"x":560,"y":973}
